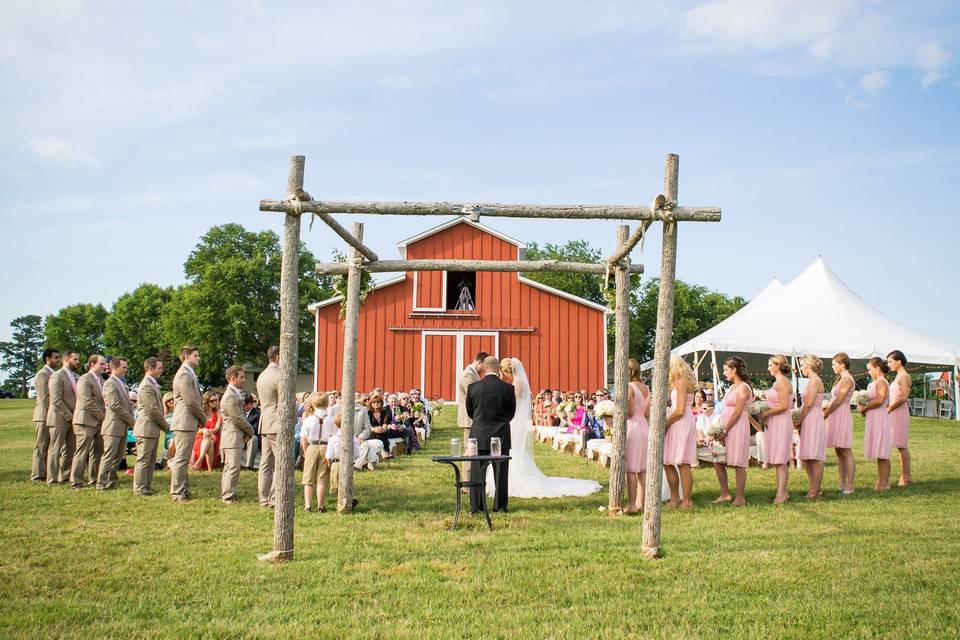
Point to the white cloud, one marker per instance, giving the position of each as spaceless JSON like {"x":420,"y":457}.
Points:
{"x":875,"y":83}
{"x":932,"y":58}
{"x":62,"y":152}
{"x":768,"y":24}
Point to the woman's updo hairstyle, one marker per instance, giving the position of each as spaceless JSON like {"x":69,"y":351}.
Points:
{"x":880,"y":363}
{"x":897,"y":355}
{"x":844,"y":359}
{"x":633,"y":368}
{"x":781,"y":362}
{"x":738,"y":365}
{"x":506,"y":366}
{"x":813,"y":362}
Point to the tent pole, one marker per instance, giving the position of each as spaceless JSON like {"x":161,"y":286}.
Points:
{"x":956,"y":393}
{"x":716,"y":375}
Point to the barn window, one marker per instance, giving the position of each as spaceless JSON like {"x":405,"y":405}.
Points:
{"x":462,"y":290}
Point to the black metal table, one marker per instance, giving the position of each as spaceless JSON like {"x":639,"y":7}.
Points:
{"x":485,"y":462}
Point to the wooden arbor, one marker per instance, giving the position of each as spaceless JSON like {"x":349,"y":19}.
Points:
{"x":298,"y":202}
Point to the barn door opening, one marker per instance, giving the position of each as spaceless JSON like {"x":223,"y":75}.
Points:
{"x":444,"y":354}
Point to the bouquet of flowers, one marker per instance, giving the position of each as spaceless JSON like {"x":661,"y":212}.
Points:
{"x":860,"y":397}
{"x":757,"y":408}
{"x":795,"y":416}
{"x":605,"y":409}
{"x":716,"y":431}
{"x":570,"y":407}
{"x":826,"y":403}
{"x":607,"y":431}
{"x":436,"y":407}
{"x":418,"y":406}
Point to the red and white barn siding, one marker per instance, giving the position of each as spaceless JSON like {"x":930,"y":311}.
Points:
{"x":560,"y":339}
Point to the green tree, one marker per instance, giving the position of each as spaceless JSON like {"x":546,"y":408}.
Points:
{"x":78,"y":327}
{"x":134,"y":327}
{"x":583,"y":285}
{"x":19,"y":356}
{"x":695,"y":309}
{"x":230,"y":307}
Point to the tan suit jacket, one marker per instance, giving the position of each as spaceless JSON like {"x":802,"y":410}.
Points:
{"x":119,"y":414}
{"x":151,"y":421}
{"x":467,"y":377}
{"x":267,"y":392}
{"x":188,"y":412}
{"x":90,"y":409}
{"x":41,"y":383}
{"x":235,"y":428}
{"x":63,"y":399}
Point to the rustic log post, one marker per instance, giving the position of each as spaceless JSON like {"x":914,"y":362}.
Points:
{"x":552,"y":266}
{"x":349,"y":386}
{"x":286,"y":388}
{"x":618,"y":460}
{"x":661,"y":368}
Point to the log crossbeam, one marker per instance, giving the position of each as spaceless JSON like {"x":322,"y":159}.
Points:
{"x":389,"y":266}
{"x":562,"y":211}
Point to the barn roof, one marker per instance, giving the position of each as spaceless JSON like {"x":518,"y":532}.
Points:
{"x":402,"y":245}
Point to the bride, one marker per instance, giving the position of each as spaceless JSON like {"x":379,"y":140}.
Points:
{"x":525,"y":478}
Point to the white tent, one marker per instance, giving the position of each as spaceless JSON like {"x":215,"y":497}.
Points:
{"x":816,"y":313}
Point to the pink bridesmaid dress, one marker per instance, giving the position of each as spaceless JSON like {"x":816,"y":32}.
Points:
{"x":638,"y":432}
{"x":899,"y":420}
{"x":840,"y":422}
{"x":876,"y":437}
{"x":738,"y":436}
{"x":680,"y":441}
{"x":813,"y":433}
{"x":778,"y":439}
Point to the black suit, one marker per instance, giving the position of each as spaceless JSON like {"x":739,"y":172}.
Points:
{"x":491,"y":404}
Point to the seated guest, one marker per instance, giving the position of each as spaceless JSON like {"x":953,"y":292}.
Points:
{"x":698,"y":399}
{"x":379,"y":420}
{"x":415,"y":397}
{"x":206,"y":445}
{"x":334,"y":453}
{"x":579,"y":410}
{"x":315,"y":434}
{"x":168,"y":444}
{"x":370,"y":447}
{"x":402,"y":427}
{"x":251,"y":410}
{"x":591,"y":428}
{"x":709,"y":449}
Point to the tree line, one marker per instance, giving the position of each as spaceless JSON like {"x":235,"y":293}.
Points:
{"x":229,"y":307}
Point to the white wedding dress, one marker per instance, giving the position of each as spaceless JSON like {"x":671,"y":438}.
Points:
{"x":525,"y":478}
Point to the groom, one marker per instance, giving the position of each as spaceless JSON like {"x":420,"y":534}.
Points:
{"x":491,"y":403}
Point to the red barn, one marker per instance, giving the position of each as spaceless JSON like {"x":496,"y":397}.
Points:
{"x":415,"y":331}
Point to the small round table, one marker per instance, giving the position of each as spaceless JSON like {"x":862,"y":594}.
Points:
{"x":485,"y":462}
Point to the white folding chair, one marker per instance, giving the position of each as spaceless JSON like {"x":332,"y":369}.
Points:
{"x":946,"y":409}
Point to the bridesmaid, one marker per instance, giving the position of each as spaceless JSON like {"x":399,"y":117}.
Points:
{"x":638,"y":431}
{"x":876,"y":437}
{"x":778,"y":438}
{"x":813,"y":432}
{"x":680,"y":439}
{"x":736,"y":434}
{"x":840,"y":422}
{"x":900,"y":413}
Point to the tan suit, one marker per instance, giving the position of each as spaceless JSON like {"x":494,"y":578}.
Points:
{"x":233,"y":438}
{"x":151,"y":422}
{"x":188,"y":415}
{"x":41,"y":443}
{"x":87,"y":419}
{"x":119,"y":418}
{"x":269,"y":428}
{"x":63,"y":399}
{"x":467,"y":377}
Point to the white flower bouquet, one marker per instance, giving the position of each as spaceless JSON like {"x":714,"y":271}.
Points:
{"x":795,"y":416}
{"x":757,"y":408}
{"x":826,"y":403}
{"x":860,"y":397}
{"x":716,"y":431}
{"x":605,"y":409}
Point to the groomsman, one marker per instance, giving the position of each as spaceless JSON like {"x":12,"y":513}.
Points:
{"x":151,"y":422}
{"x":119,"y":418}
{"x":234,"y":433}
{"x":63,"y":400}
{"x":41,"y":443}
{"x":473,"y":373}
{"x":87,"y":417}
{"x":188,"y":415}
{"x":269,"y":426}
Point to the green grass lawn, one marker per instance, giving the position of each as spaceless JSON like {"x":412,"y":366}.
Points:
{"x":88,"y":564}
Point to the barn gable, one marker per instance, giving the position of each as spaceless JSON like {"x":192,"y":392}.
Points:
{"x":413,"y":333}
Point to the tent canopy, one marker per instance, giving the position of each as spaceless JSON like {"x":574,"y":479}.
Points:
{"x":817,"y":313}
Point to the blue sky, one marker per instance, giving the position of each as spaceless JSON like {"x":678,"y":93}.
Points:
{"x":820,"y":127}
